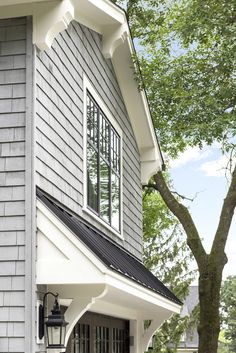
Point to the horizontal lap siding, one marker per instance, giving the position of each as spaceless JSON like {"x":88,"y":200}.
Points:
{"x":59,"y":126}
{"x":12,"y":183}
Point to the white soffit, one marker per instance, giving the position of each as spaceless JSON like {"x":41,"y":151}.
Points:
{"x":50,"y":17}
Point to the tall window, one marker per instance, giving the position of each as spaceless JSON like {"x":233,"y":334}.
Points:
{"x":103,"y":165}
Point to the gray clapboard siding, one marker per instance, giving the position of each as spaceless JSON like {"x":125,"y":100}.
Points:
{"x":59,"y":126}
{"x":12,"y":184}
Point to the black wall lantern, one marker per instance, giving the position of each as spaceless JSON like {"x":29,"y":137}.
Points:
{"x":55,"y":325}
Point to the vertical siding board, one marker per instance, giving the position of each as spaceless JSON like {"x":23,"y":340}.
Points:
{"x":12,"y":183}
{"x":59,"y":125}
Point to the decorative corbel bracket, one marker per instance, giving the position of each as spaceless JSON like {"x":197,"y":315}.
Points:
{"x":83,"y":298}
{"x":148,"y":169}
{"x":112,"y":39}
{"x":50,"y":19}
{"x":150,"y":164}
{"x":149,"y":332}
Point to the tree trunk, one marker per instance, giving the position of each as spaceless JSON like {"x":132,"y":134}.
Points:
{"x":211,"y":265}
{"x":210,"y":277}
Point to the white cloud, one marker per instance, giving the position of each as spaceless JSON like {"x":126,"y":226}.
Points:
{"x":192,"y":154}
{"x":215,"y":168}
{"x":230,"y":268}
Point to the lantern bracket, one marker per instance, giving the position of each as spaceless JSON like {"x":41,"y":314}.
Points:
{"x":42,"y":317}
{"x":55,"y":324}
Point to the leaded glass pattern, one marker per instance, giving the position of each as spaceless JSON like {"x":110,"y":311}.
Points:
{"x":118,"y":340}
{"x":101,"y":343}
{"x":81,"y":338}
{"x":103,"y":165}
{"x":96,"y":333}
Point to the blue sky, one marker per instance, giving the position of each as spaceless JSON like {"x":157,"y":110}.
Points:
{"x":201,"y":174}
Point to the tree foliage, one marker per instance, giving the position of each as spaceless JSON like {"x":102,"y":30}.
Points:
{"x":187,"y":54}
{"x":165,"y":249}
{"x":166,"y":254}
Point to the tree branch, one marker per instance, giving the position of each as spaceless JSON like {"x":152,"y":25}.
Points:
{"x":153,"y":186}
{"x":182,"y":196}
{"x":226,"y":216}
{"x":183,"y":215}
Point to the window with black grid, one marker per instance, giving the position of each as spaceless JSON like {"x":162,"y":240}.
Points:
{"x":101,"y":342}
{"x":81,"y":338}
{"x":103,"y":165}
{"x":96,"y":333}
{"x":118,"y":340}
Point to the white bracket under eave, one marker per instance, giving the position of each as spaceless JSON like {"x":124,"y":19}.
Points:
{"x":112,"y":39}
{"x":83,"y":298}
{"x":151,"y":162}
{"x":49,"y":20}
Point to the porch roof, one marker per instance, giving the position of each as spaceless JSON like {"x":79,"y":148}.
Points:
{"x":113,"y":256}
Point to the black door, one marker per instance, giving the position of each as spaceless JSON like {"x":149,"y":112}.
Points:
{"x":95,"y":333}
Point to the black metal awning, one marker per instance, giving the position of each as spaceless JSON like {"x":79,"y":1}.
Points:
{"x":111,"y":254}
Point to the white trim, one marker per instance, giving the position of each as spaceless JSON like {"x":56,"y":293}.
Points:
{"x":125,"y":284}
{"x":102,"y":222}
{"x":187,"y":350}
{"x":88,"y":86}
{"x":30,"y":199}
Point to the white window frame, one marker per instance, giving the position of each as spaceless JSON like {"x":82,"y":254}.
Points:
{"x":88,"y":86}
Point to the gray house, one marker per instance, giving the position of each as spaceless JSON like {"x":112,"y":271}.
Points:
{"x":76,"y":144}
{"x":189,"y":341}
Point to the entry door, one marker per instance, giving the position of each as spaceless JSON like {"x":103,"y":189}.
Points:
{"x":96,"y":333}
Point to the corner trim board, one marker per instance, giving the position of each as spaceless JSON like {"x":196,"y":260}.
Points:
{"x":30,"y":197}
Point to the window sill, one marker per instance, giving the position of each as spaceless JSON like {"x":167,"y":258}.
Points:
{"x":103,"y":223}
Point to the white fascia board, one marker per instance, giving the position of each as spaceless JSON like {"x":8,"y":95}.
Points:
{"x":138,"y":110}
{"x":126,"y":285}
{"x":96,"y":14}
{"x":101,"y":306}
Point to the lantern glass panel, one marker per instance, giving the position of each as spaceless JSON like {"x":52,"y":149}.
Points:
{"x":55,"y":335}
{"x":63,"y":334}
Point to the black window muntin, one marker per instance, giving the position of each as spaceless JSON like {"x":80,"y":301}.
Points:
{"x":103,"y":152}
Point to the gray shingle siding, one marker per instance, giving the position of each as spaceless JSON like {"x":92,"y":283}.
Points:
{"x":59,"y":126}
{"x":12,"y":184}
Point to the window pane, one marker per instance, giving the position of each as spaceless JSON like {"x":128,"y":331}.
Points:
{"x":103,"y":165}
{"x":82,"y":339}
{"x":92,"y":121}
{"x":101,"y":340}
{"x":104,"y":190}
{"x":92,"y":177}
{"x":115,"y":151}
{"x":115,"y":197}
{"x":105,"y":137}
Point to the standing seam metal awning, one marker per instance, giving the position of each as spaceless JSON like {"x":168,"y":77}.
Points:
{"x":111,"y":254}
